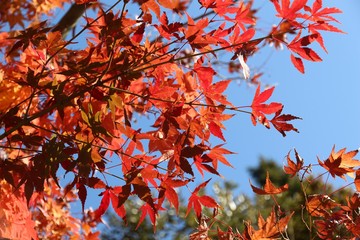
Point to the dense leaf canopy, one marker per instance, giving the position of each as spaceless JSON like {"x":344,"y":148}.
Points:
{"x":72,"y":109}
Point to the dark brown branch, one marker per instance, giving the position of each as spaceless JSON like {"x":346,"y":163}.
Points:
{"x":68,"y":21}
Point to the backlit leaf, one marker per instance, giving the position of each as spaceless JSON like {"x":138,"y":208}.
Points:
{"x":340,"y":163}
{"x":259,"y":108}
{"x":280,"y":122}
{"x":293,"y":168}
{"x":298,"y":63}
{"x":104,"y":204}
{"x":119,"y":209}
{"x":357,"y":180}
{"x":205,"y":76}
{"x":269,"y":188}
{"x":318,"y":205}
{"x":216,"y":130}
{"x":146,"y":209}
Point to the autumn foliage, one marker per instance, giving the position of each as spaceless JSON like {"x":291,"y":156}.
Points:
{"x":130,"y":103}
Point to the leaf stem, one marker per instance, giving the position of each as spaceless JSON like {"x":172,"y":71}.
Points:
{"x":175,"y":101}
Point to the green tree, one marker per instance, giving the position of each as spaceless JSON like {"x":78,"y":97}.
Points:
{"x":169,"y":225}
{"x":300,"y":227}
{"x":236,"y":207}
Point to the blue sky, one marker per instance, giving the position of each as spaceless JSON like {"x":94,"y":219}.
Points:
{"x":327,"y":97}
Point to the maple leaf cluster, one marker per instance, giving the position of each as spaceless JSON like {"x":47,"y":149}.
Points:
{"x":15,"y":217}
{"x":74,"y":109}
{"x":260,"y":109}
{"x":20,"y":12}
{"x":332,"y":218}
{"x":50,"y":209}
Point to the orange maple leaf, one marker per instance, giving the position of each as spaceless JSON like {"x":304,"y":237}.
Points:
{"x":340,"y":163}
{"x":271,"y":228}
{"x":269,"y":187}
{"x":177,"y":6}
{"x":318,"y":205}
{"x":293,"y":168}
{"x":357,"y":181}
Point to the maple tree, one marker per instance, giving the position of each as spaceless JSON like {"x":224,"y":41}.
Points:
{"x":71,"y":109}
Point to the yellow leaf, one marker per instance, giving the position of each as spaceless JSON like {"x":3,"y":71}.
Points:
{"x":85,"y":117}
{"x":95,"y":156}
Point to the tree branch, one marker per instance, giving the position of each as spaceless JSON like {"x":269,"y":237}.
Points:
{"x":68,"y":21}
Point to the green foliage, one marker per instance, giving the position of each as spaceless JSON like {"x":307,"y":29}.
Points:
{"x":235,"y":208}
{"x":169,"y":225}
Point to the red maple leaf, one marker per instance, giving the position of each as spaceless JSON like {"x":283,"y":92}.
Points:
{"x":104,"y":204}
{"x":298,"y":63}
{"x":244,"y":16}
{"x":216,"y":130}
{"x":259,"y":108}
{"x":286,"y":11}
{"x":82,"y":193}
{"x":195,"y":201}
{"x":205,"y":76}
{"x":146,"y":209}
{"x":168,"y":30}
{"x":321,"y":16}
{"x":280,"y":122}
{"x":168,"y":190}
{"x":117,"y":206}
{"x":138,"y":34}
{"x":201,"y":164}
{"x":299,"y":46}
{"x":217,"y":154}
